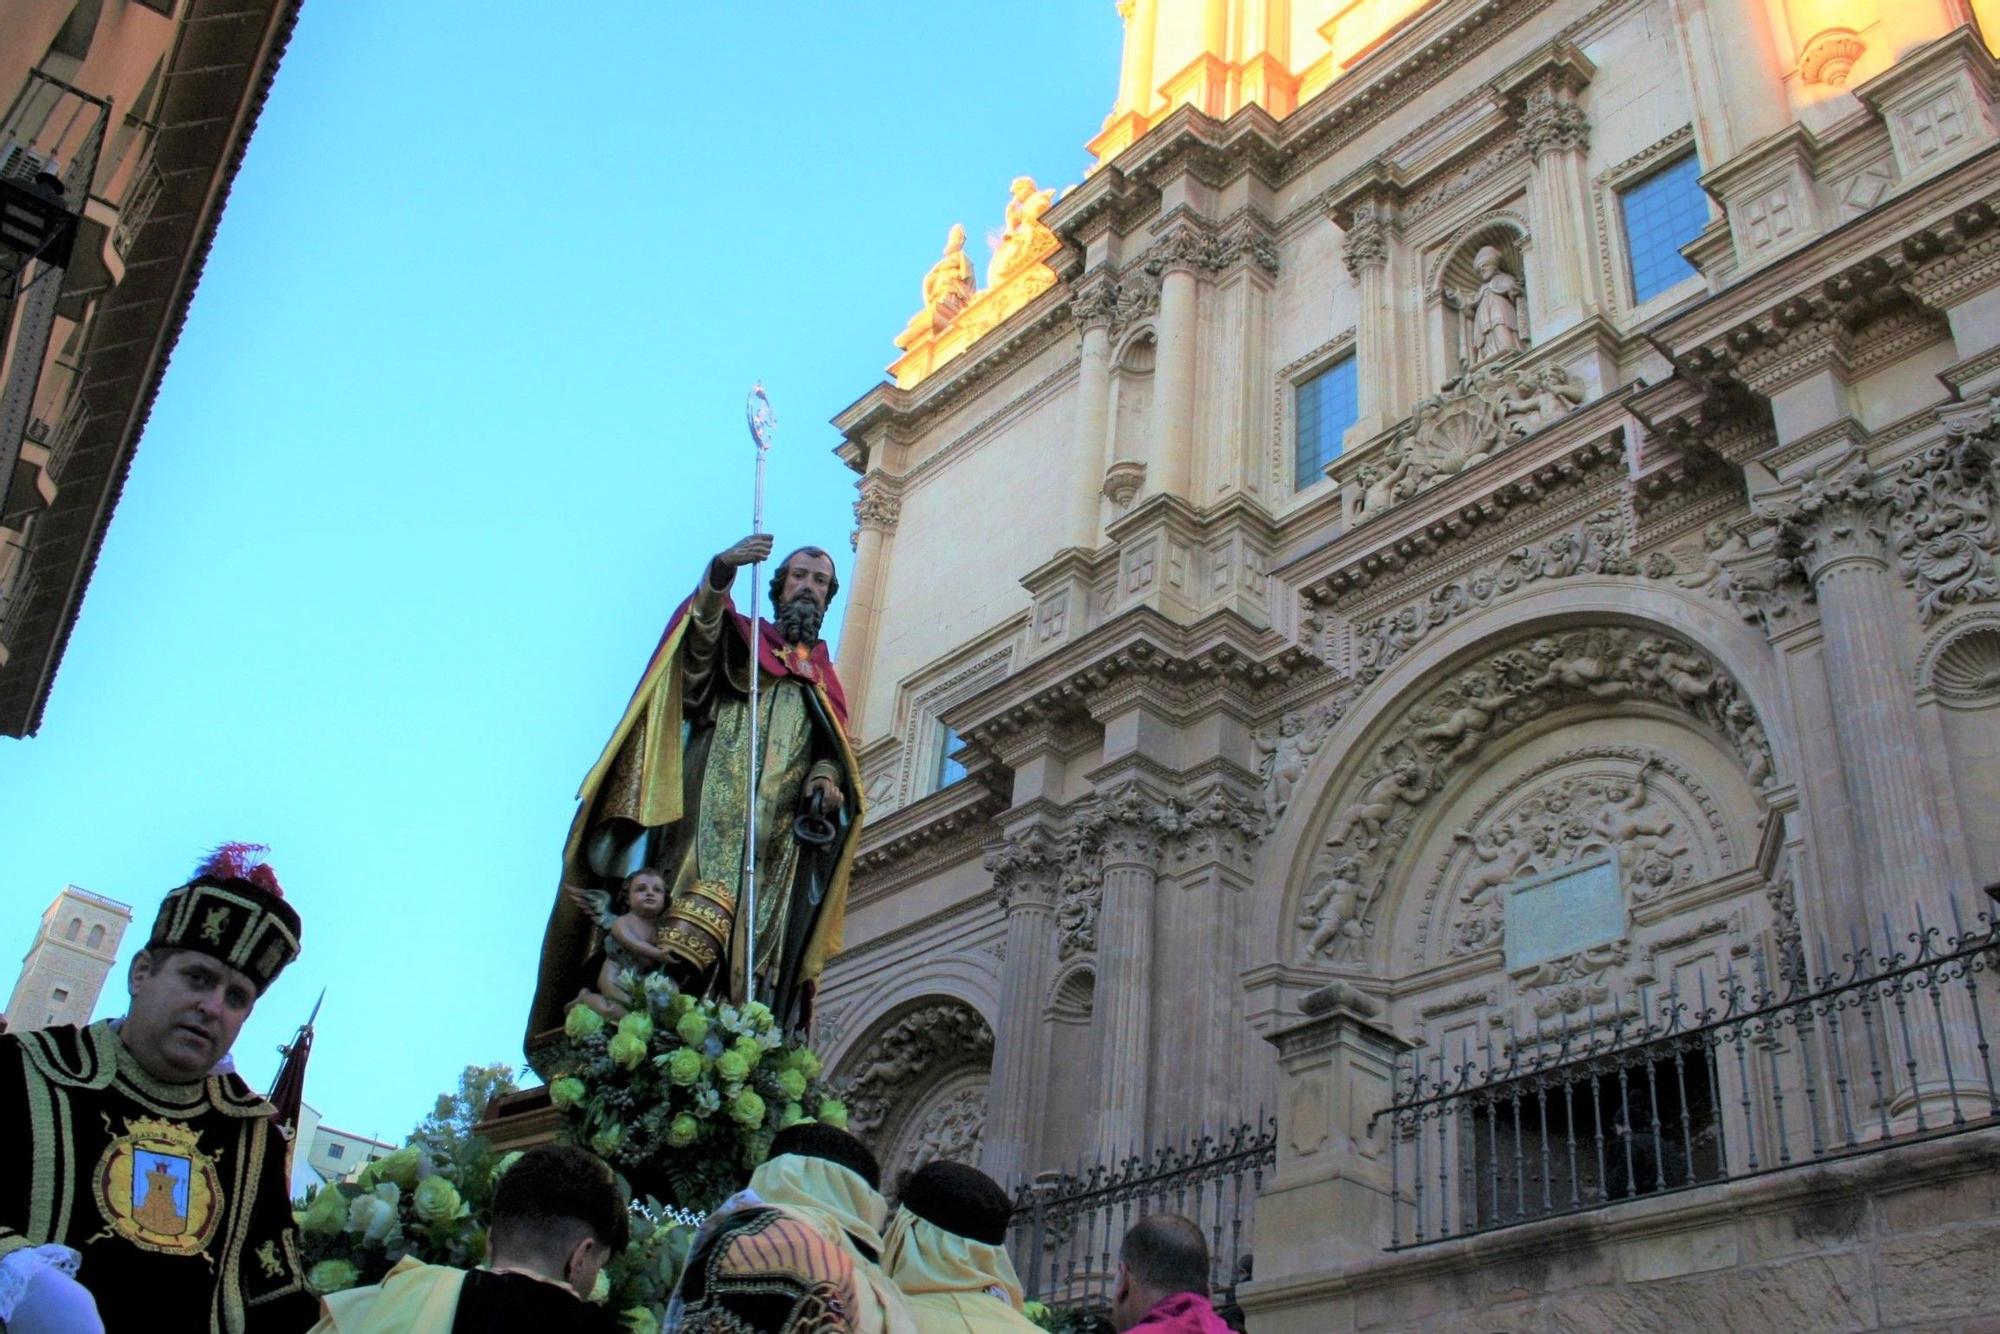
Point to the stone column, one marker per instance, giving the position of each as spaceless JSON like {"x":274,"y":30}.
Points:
{"x":1129,"y":844}
{"x":1177,"y":258}
{"x":875,"y":515}
{"x":1834,"y":530}
{"x":1329,"y":1199}
{"x":1025,"y":871}
{"x":1563,"y":286}
{"x":1734,"y":74}
{"x":1095,"y":306}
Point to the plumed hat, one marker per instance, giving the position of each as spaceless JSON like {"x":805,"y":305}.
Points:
{"x":232,"y":909}
{"x":962,"y":1200}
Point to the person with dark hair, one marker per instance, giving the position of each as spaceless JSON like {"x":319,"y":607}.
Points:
{"x":947,"y":1251}
{"x":671,"y":791}
{"x":797,"y":1252}
{"x":558,"y":1218}
{"x":143,"y":1175}
{"x":1162,"y":1283}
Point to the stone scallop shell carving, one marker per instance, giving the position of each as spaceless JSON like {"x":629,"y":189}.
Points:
{"x":1968,"y":668}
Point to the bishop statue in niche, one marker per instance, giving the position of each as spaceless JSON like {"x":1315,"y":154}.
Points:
{"x":1490,"y":323}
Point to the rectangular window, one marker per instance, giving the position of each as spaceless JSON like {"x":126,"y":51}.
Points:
{"x":949,"y":771}
{"x":62,"y":994}
{"x":1323,"y":408}
{"x":336,"y":1150}
{"x":1663,"y":212}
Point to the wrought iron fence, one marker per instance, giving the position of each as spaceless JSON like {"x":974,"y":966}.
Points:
{"x":1067,"y":1226}
{"x":1799,"y":1062}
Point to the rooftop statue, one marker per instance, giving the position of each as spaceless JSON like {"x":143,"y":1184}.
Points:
{"x":948,"y":287}
{"x":1024,"y":239}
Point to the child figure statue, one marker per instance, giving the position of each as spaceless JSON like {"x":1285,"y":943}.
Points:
{"x":627,"y":939}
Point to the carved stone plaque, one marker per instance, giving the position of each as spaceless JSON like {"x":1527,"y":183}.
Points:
{"x":1563,"y":912}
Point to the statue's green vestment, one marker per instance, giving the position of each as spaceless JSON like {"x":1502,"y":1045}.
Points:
{"x":670,"y":791}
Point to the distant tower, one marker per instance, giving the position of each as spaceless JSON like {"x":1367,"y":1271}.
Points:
{"x":66,"y":967}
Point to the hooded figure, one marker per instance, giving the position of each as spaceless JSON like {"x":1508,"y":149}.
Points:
{"x":947,"y":1252}
{"x":799,"y":1251}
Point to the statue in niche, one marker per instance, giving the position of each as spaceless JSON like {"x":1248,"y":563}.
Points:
{"x":1332,"y":911}
{"x":948,"y":289}
{"x":1491,"y":313}
{"x":1024,"y":239}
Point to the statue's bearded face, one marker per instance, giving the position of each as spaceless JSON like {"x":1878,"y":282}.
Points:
{"x":803,"y":592}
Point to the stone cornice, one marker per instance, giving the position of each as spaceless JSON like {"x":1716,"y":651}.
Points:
{"x":961,"y":813}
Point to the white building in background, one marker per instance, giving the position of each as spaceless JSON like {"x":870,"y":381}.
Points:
{"x":330,"y":1154}
{"x":65,"y":968}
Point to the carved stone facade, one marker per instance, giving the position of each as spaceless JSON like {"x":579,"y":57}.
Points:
{"x":1684,"y":600}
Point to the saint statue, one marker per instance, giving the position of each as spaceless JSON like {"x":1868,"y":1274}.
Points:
{"x":1025,"y":238}
{"x":670,"y":795}
{"x":947,"y":290}
{"x":1492,"y":311}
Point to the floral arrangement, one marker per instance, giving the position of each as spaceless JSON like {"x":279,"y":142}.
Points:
{"x":684,"y":1095}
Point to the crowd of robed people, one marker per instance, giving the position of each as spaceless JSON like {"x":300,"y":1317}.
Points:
{"x":146,"y":1187}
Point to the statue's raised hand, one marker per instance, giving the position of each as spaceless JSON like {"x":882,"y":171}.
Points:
{"x":749,"y":551}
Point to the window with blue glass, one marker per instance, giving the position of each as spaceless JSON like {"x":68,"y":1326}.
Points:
{"x":1663,"y":212}
{"x":1322,"y":410}
{"x":949,"y":770}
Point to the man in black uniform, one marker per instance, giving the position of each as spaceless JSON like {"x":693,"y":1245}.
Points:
{"x":128,"y":1147}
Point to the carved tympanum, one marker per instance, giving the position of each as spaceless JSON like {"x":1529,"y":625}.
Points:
{"x":914,"y":1050}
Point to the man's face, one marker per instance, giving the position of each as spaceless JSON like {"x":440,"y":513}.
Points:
{"x":187,"y":1009}
{"x":807,"y":576}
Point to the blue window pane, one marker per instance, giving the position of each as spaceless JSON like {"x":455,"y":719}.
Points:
{"x":949,"y":771}
{"x":1324,"y":407}
{"x":1663,"y":212}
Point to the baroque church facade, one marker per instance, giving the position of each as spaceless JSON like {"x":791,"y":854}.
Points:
{"x":1471,"y":510}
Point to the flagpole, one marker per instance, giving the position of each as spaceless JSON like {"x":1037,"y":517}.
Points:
{"x":763,"y":425}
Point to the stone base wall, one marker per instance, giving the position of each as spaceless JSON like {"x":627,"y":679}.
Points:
{"x":1904,"y":1239}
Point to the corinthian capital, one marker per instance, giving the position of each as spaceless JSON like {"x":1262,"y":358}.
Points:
{"x":1026,"y":870}
{"x":1554,"y":124}
{"x":1094,"y":303}
{"x":881,"y":503}
{"x":1185,"y":246}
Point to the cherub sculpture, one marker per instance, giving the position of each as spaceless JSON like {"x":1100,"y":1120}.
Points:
{"x":629,"y":950}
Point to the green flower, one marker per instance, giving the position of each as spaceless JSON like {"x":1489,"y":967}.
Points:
{"x":607,"y":1140}
{"x":401,"y":1167}
{"x":566,"y":1093}
{"x":326,"y":1216}
{"x":500,"y":1168}
{"x":792,"y":1084}
{"x":436,"y":1200}
{"x":684,"y":1066}
{"x":758,"y":1015}
{"x":791,"y":1115}
{"x":638,"y":1320}
{"x":637,"y":1024}
{"x":679,"y":1005}
{"x":750,"y":1049}
{"x":627,"y":1051}
{"x":806,"y":1062}
{"x":332,"y":1276}
{"x":747,"y":1109}
{"x":834,"y":1112}
{"x":601,"y":1289}
{"x":583,"y":1022}
{"x":693,"y":1028}
{"x":731,"y":1068}
{"x":682,"y":1131}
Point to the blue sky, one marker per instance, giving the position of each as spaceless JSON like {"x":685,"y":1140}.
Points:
{"x":455,"y":420}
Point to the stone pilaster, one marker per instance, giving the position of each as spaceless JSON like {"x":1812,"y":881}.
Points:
{"x":875,"y":515}
{"x":1095,"y":307}
{"x":1366,"y":210}
{"x":1834,"y":530}
{"x":1026,"y":871}
{"x":1177,"y":258}
{"x":1129,"y":842}
{"x":1543,"y":98}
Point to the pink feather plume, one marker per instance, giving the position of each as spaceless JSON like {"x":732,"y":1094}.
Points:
{"x":241,"y":861}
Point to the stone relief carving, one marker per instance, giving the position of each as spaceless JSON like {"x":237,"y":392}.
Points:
{"x":1575,"y":982}
{"x":1537,"y":823}
{"x":1455,"y":720}
{"x":1461,"y":426}
{"x":1600,"y":544}
{"x":1566,"y":822}
{"x":1129,"y":825}
{"x":1941,"y":507}
{"x":927,"y":1039}
{"x":1332,"y":911}
{"x":949,"y":1131}
{"x":1967,"y":669}
{"x":1286,"y":747}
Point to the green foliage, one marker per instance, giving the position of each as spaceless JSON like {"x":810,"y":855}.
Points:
{"x":683,"y":1096}
{"x":445,"y":1134}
